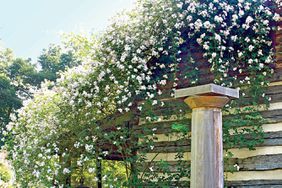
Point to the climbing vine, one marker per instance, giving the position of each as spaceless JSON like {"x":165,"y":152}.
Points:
{"x":91,"y":112}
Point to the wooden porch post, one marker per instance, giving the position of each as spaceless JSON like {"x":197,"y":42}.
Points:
{"x":206,"y":102}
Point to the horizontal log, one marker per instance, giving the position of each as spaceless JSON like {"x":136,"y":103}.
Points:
{"x":172,"y":166}
{"x":271,"y":142}
{"x":272,"y":130}
{"x":229,"y":184}
{"x":275,"y":92}
{"x":166,"y":156}
{"x":245,"y":152}
{"x":272,"y":116}
{"x":274,"y":119}
{"x":171,"y":184}
{"x":261,"y":179}
{"x":256,"y":163}
{"x":277,"y":76}
{"x":254,"y":175}
{"x":272,"y":127}
{"x":170,"y":118}
{"x":171,"y":146}
{"x":275,"y":83}
{"x":254,"y":184}
{"x":237,"y":153}
{"x":260,"y":163}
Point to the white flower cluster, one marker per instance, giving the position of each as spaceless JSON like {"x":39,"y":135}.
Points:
{"x":230,"y":44}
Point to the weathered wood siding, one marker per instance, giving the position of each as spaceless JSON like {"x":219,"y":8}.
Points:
{"x":261,"y":167}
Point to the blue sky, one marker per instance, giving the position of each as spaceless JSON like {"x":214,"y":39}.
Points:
{"x":28,"y":26}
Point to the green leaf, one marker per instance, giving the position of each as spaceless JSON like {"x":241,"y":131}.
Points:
{"x":179,"y":127}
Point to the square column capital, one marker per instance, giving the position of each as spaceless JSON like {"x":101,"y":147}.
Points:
{"x":207,"y":90}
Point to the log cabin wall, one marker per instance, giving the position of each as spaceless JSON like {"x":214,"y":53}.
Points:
{"x":261,"y":167}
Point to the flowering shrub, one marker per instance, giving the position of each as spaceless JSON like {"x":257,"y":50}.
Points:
{"x":84,"y":116}
{"x":5,"y":175}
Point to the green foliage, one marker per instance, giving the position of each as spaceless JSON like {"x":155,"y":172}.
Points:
{"x":16,"y":75}
{"x":179,"y":128}
{"x":19,"y":77}
{"x":5,"y":174}
{"x":81,"y":46}
{"x":53,"y":60}
{"x":9,"y":99}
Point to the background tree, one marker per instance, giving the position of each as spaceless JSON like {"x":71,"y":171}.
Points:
{"x":19,"y":77}
{"x":9,"y":100}
{"x":53,"y":60}
{"x":16,"y":78}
